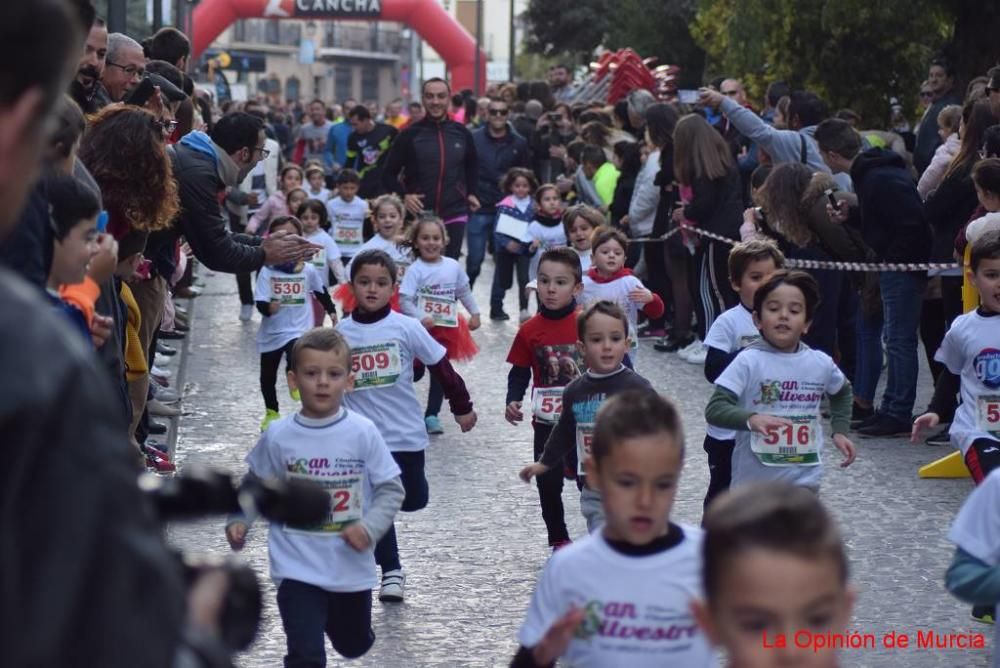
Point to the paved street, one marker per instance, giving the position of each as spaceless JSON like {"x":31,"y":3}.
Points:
{"x":472,"y":556}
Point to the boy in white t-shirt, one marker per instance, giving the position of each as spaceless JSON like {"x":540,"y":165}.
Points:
{"x":324,"y":573}
{"x":770,"y":394}
{"x":347,"y":214}
{"x":751,"y":263}
{"x":622,"y":596}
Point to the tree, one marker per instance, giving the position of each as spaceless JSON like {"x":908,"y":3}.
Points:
{"x":574,"y":27}
{"x":659,"y":28}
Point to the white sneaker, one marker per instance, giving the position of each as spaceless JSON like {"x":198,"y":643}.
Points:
{"x":392,"y":587}
{"x":161,"y":360}
{"x":689,"y":349}
{"x":166,"y":395}
{"x":162,"y":373}
{"x":696,"y":356}
{"x":525,"y":315}
{"x":246,"y":312}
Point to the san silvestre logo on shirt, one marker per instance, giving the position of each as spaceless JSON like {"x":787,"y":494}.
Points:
{"x":788,"y":391}
{"x":621,"y":621}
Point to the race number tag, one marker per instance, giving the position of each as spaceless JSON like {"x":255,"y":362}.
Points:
{"x":376,"y":365}
{"x":546,"y":403}
{"x":988,"y":414}
{"x":347,"y":234}
{"x":790,"y":445}
{"x":345,"y":504}
{"x":319,"y":259}
{"x":584,"y":440}
{"x":288,"y":290}
{"x":443,"y":311}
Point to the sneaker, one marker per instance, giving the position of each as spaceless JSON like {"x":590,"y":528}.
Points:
{"x":161,"y":360}
{"x":269,"y":417}
{"x":696,"y":356}
{"x":156,"y":428}
{"x":173,"y":335}
{"x":668,"y":344}
{"x":246,"y":312}
{"x":690,"y":349}
{"x":162,"y":373}
{"x":165,"y":395}
{"x":855,"y":425}
{"x":886,"y":426}
{"x":160,"y":409}
{"x":157,"y":450}
{"x":433,"y":425}
{"x":984,"y":614}
{"x":652,"y":333}
{"x":499,"y":315}
{"x":164,"y":349}
{"x":525,"y":315}
{"x":940,"y":437}
{"x":860,"y":415}
{"x":295,"y":394}
{"x":560,"y":544}
{"x":159,"y":464}
{"x":393,"y":583}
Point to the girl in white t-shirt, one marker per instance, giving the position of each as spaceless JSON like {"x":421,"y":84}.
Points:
{"x":546,"y":230}
{"x":327,"y":260}
{"x":622,"y":595}
{"x":580,"y":222}
{"x":316,"y":184}
{"x":430,"y":292}
{"x":770,"y":393}
{"x":281,"y":295}
{"x":385,"y":345}
{"x":387,"y":215}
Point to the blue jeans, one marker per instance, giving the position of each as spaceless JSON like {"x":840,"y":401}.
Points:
{"x":503,"y":276}
{"x":307,"y":612}
{"x":902,"y":297}
{"x":868,"y":364}
{"x":478,"y":231}
{"x":411,"y":467}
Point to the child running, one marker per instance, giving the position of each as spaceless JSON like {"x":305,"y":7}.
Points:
{"x":347,"y":214}
{"x":277,"y":205}
{"x":388,"y":213}
{"x":385,"y":345}
{"x":770,"y":393}
{"x":579,"y":222}
{"x":751,"y":264}
{"x":430,"y":292}
{"x":513,"y":245}
{"x":316,"y":188}
{"x":324,"y":573}
{"x":280,"y":294}
{"x":621,"y":596}
{"x":773,"y":565}
{"x":974,"y":574}
{"x":544,"y":354}
{"x":609,"y":280}
{"x":326,"y":260}
{"x":602,"y":336}
{"x":546,"y":230}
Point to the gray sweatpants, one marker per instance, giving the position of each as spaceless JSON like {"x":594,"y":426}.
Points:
{"x":593,"y":511}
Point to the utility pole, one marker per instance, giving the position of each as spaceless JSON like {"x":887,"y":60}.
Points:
{"x":157,"y":15}
{"x":512,"y":57}
{"x":117,"y":15}
{"x":479,"y":47}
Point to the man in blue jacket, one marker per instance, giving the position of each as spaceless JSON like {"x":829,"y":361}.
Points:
{"x":498,"y":148}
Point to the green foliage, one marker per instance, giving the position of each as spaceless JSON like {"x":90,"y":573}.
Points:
{"x":659,"y":28}
{"x":574,"y":27}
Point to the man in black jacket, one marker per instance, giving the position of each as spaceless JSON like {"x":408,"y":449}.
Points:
{"x":893,"y":225}
{"x":498,"y":148}
{"x":434,"y":167}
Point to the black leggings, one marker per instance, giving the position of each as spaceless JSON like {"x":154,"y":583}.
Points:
{"x":720,"y":466}
{"x":655,"y":254}
{"x":456,"y":235}
{"x":550,"y":487}
{"x":269,"y":363}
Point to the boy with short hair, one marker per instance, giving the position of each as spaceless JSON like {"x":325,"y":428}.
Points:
{"x":773,"y":561}
{"x":622,"y":596}
{"x":316,"y":184}
{"x":751,"y":263}
{"x":600,"y":172}
{"x":544,"y":354}
{"x":324,"y":573}
{"x":347,"y":215}
{"x":602,"y":338}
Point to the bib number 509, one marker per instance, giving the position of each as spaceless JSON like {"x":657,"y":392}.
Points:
{"x":370,"y":361}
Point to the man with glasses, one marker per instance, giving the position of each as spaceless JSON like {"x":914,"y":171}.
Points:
{"x":498,"y":148}
{"x":940,"y":81}
{"x":124,"y":68}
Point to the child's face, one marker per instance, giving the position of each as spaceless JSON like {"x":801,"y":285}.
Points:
{"x":557,"y":285}
{"x":520,"y":188}
{"x":589,"y":169}
{"x":291,"y":180}
{"x":579,"y":233}
{"x":549,"y":202}
{"x":72,"y":255}
{"x":388,"y":221}
{"x":604,"y":344}
{"x":638,"y":482}
{"x":764,"y":593}
{"x":316,"y":182}
{"x":782,"y":320}
{"x":310,"y":221}
{"x":322,"y":377}
{"x":986,"y":278}
{"x":609,"y":257}
{"x":429,"y":242}
{"x":296,"y":199}
{"x":989,"y":200}
{"x":347,"y":191}
{"x":373,"y":287}
{"x":755,"y":275}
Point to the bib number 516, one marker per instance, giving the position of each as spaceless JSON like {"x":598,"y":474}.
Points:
{"x":788,"y":435}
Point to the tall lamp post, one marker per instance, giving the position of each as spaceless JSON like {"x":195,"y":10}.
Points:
{"x":479,"y":47}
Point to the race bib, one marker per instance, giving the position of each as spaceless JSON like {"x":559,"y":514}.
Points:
{"x":546,"y":404}
{"x":288,"y":290}
{"x":443,"y":311}
{"x":319,"y":259}
{"x":345,"y":504}
{"x":584,"y":440}
{"x":347,"y":234}
{"x":796,"y":444}
{"x":988,"y":413}
{"x":376,"y":365}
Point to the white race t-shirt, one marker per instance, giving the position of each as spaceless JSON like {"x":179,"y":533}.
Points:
{"x":323,"y":260}
{"x":401,"y":256}
{"x":733,"y":330}
{"x":347,"y":220}
{"x":383,"y":385}
{"x":434,"y":289}
{"x":323,"y":195}
{"x":616,"y":291}
{"x":787,"y":385}
{"x":971,"y":349}
{"x":348,"y":457}
{"x":638,"y":608}
{"x":547,"y":237}
{"x":585,"y":259}
{"x":295,"y":316}
{"x":977,"y":531}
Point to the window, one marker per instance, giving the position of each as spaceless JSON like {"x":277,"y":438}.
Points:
{"x":240,"y":31}
{"x":343,"y":82}
{"x":273,"y":32}
{"x":369,"y":82}
{"x":292,"y":87}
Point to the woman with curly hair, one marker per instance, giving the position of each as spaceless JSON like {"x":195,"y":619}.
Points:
{"x":124,"y":150}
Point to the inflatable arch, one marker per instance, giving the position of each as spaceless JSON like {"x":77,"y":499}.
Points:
{"x":445,"y":35}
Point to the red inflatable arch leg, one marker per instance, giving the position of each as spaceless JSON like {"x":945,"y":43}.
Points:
{"x":445,"y":35}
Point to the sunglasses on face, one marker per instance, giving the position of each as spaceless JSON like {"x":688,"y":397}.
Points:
{"x":499,"y":112}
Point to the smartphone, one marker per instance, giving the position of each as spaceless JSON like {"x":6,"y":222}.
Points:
{"x":687,"y":96}
{"x":140,"y":94}
{"x":831,"y":199}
